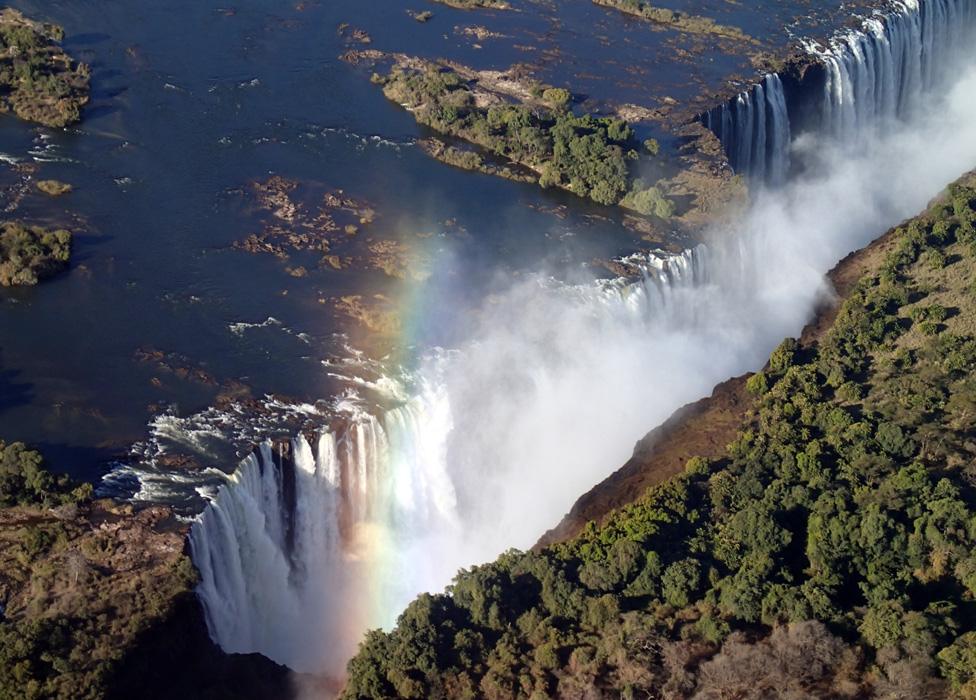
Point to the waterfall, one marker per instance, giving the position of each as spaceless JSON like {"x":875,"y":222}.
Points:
{"x":308,"y":546}
{"x":648,"y":288}
{"x":754,"y":129}
{"x":871,"y":76}
{"x":884,"y":70}
{"x":303,"y":550}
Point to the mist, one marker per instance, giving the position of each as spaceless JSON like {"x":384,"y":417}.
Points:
{"x":548,"y":395}
{"x":559,"y":383}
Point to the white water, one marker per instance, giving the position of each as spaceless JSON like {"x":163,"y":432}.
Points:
{"x":298,"y":555}
{"x":755,"y":131}
{"x":553,"y":388}
{"x":874,"y":76}
{"x":887,"y":70}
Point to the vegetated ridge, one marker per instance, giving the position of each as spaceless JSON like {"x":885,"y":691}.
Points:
{"x":826,"y":552}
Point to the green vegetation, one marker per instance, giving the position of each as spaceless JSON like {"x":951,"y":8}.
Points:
{"x":28,"y":254}
{"x":75,"y":585}
{"x":590,"y":156}
{"x":38,"y":80}
{"x":682,"y":21}
{"x":472,"y":160}
{"x":830,"y":553}
{"x":646,"y":199}
{"x":24,"y":480}
{"x":77,"y":601}
{"x":93,"y":595}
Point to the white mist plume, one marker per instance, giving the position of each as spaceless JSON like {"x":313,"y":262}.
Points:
{"x":552,"y":394}
{"x":556,"y":384}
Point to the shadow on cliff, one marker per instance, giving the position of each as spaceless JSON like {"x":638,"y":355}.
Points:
{"x":177,"y":659}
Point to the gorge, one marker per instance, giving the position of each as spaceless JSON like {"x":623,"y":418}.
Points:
{"x":331,"y":334}
{"x":313,"y":542}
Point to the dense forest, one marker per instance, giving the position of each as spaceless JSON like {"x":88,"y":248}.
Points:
{"x":592,"y":157}
{"x":828,"y":554}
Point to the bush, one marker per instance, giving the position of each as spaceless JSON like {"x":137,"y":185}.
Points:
{"x":29,"y":254}
{"x":25,"y":481}
{"x":757,"y":384}
{"x":648,"y":201}
{"x":557,"y":98}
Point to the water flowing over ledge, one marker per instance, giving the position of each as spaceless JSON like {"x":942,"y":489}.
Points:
{"x":314,"y":541}
{"x":867,"y":78}
{"x":754,"y":129}
{"x":311,"y":543}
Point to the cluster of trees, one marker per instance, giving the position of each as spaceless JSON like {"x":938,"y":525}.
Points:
{"x":592,"y":157}
{"x":830,"y":552}
{"x":93,"y":597}
{"x":693,"y":24}
{"x":474,"y":4}
{"x":75,"y":650}
{"x":66,"y":617}
{"x":25,"y":482}
{"x":28,"y":254}
{"x":37,"y":79}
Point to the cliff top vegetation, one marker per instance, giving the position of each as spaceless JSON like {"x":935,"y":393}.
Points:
{"x":828,"y":553}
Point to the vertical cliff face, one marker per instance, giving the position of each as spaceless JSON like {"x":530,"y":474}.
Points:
{"x":97,"y":602}
{"x":858,"y":83}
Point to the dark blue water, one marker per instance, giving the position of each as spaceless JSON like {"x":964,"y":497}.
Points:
{"x":192,"y":101}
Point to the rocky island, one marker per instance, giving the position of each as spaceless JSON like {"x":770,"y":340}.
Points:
{"x":530,"y":126}
{"x":39,"y":82}
{"x":29,"y":254}
{"x":676,"y":19}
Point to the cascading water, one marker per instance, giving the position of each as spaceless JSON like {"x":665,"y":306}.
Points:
{"x":755,"y":131}
{"x":306,"y":548}
{"x":871,"y":76}
{"x":303,"y":543}
{"x":885,"y":70}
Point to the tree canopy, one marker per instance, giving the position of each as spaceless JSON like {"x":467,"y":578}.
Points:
{"x":831,"y":551}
